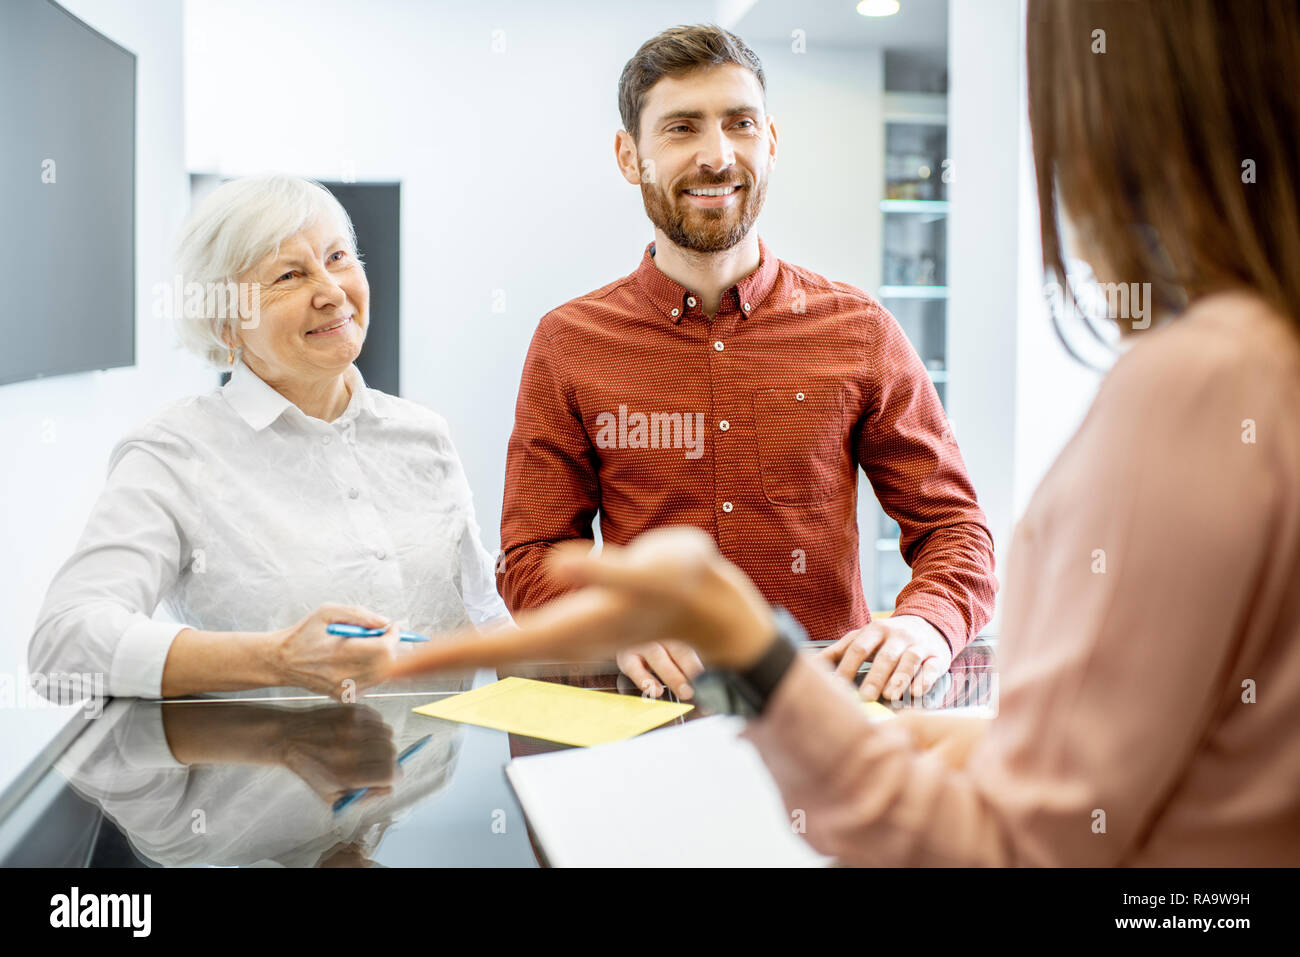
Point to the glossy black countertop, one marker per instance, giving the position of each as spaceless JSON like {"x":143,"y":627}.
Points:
{"x":274,"y":778}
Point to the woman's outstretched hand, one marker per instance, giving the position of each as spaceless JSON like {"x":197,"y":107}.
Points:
{"x":669,"y":583}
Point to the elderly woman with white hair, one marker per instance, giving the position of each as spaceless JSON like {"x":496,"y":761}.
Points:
{"x":292,"y":498}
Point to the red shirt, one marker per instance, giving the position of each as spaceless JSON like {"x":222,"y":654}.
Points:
{"x":751,"y":426}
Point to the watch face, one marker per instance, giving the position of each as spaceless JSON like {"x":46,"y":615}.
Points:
{"x":712,"y":693}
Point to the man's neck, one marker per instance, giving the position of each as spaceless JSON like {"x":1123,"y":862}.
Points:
{"x":707,"y":275}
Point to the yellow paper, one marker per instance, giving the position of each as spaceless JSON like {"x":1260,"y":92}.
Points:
{"x":877,"y":711}
{"x":555,"y":712}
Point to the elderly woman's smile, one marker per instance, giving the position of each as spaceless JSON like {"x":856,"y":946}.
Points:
{"x":332,"y":326}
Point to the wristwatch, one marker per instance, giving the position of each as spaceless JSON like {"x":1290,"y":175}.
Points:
{"x":747,"y":692}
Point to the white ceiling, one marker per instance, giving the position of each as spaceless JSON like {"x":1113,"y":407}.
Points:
{"x":918,"y":25}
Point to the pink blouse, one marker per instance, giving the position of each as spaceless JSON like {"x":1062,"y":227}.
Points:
{"x":1150,"y":658}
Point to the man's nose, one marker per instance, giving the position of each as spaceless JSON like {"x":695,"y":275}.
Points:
{"x":716,"y":153}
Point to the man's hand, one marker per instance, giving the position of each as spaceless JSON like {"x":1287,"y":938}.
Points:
{"x":904,"y":650}
{"x":660,"y":663}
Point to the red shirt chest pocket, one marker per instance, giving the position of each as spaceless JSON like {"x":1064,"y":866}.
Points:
{"x":803,"y":447}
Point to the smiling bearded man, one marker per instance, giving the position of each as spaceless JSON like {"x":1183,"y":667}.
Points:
{"x":799,"y":381}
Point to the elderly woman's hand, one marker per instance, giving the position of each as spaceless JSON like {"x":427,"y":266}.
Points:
{"x":671,"y":582}
{"x":307,"y":656}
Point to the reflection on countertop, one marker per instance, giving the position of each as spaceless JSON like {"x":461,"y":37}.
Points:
{"x":253,"y":778}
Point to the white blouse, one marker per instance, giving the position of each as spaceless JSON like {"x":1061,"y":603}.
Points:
{"x":236,"y":511}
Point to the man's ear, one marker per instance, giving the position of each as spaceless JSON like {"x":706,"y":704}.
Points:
{"x":625,"y":154}
{"x":772,"y":137}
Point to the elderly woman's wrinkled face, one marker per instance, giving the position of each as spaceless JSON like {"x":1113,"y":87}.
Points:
{"x":314,"y":302}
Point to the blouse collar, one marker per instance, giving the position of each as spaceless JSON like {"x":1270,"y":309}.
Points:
{"x":258,"y":404}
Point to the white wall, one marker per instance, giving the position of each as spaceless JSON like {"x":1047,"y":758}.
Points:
{"x":1016,"y":395}
{"x":59,"y":431}
{"x":823,"y":205}
{"x":1053,"y":391}
{"x":983,"y":241}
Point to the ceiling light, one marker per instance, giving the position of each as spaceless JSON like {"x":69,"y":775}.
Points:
{"x":878,"y":8}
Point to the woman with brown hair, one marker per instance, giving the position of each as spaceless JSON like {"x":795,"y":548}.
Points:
{"x":1149,"y":699}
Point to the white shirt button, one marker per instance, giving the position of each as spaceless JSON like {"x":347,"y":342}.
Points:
{"x":353,"y":492}
{"x":326,"y":439}
{"x":726,"y":506}
{"x":381,"y":554}
{"x":718,"y":345}
{"x":676,"y":311}
{"x":690,"y":301}
{"x":747,"y":307}
{"x":724,"y":425}
{"x":798,"y":396}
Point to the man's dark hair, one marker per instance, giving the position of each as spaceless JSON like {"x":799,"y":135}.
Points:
{"x":676,"y":51}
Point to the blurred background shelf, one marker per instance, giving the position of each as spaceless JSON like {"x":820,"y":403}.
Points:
{"x":936,"y":207}
{"x":914,"y":227}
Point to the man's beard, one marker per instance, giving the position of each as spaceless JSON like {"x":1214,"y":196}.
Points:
{"x":704,"y":230}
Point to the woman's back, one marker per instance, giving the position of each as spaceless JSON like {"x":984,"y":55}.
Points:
{"x":1152,"y":624}
{"x":1150,"y":658}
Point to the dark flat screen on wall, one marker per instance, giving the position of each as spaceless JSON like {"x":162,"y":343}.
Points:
{"x":67,"y":195}
{"x":376,"y":213}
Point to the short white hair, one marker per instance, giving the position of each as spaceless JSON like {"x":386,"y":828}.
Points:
{"x":233,"y":228}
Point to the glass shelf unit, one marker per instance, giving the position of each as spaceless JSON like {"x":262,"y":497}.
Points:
{"x":914,"y":221}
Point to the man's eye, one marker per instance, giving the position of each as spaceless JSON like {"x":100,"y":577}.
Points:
{"x":339,"y":253}
{"x":750,"y":122}
{"x":674,"y":129}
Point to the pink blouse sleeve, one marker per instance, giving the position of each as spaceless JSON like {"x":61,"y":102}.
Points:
{"x":1158,"y":545}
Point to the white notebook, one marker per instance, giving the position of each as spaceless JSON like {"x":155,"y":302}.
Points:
{"x":693,"y":795}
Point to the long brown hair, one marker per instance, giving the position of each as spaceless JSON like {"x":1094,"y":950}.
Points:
{"x":1170,"y":131}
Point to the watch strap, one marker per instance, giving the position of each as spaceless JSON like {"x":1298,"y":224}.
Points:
{"x":759,"y":681}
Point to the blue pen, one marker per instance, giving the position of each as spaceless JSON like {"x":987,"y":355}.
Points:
{"x":357,"y":631}
{"x":355,"y":795}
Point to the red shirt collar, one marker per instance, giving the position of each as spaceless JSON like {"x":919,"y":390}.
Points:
{"x":671,"y":298}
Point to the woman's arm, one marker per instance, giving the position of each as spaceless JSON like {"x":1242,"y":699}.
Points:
{"x":1156,"y":538}
{"x":482,"y":601}
{"x":477,"y":567}
{"x":97,"y":616}
{"x":304,"y":655}
{"x":950,"y":736}
{"x":199,"y":661}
